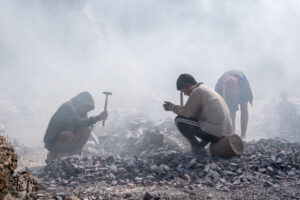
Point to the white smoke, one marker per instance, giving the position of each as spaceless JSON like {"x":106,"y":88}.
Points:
{"x":51,"y":50}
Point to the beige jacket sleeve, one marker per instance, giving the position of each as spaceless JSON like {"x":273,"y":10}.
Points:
{"x":193,"y":104}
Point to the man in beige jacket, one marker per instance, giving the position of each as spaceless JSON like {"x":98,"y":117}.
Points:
{"x":205,"y":115}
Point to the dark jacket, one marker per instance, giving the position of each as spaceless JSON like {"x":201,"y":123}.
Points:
{"x":68,"y":118}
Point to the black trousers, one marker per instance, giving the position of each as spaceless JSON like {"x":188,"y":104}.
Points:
{"x":190,"y":129}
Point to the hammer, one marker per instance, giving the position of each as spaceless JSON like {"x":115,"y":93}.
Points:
{"x":106,"y":100}
{"x":181,"y":98}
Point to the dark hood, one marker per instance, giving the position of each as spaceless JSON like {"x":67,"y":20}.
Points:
{"x":83,"y":98}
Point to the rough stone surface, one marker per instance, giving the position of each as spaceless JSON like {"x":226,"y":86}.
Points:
{"x":267,"y":165}
{"x":21,"y":185}
{"x":152,"y":160}
{"x":8,"y":164}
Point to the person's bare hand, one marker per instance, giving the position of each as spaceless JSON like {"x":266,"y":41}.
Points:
{"x":167,"y":105}
{"x":103,"y":115}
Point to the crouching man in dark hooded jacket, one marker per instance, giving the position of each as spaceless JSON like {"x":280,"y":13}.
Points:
{"x":70,"y":127}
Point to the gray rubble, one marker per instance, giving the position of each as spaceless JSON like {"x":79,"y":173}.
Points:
{"x":137,"y":138}
{"x":151,"y":160}
{"x":270,"y":163}
{"x":14,"y":186}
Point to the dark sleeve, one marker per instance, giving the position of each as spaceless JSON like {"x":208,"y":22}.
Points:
{"x":82,"y":122}
{"x":78,"y":121}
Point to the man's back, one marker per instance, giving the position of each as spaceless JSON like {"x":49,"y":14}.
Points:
{"x":214,"y":114}
{"x":244,"y":90}
{"x":60,"y":121}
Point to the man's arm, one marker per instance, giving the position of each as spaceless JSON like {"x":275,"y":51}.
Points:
{"x":83,"y":122}
{"x":244,"y":118}
{"x":190,"y":108}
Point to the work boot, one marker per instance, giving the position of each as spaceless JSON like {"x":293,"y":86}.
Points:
{"x":199,"y":150}
{"x":50,"y":157}
{"x":62,"y":154}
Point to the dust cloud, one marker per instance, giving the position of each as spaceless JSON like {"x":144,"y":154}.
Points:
{"x":51,"y":50}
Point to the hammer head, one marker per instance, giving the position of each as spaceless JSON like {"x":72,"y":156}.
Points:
{"x":107,"y":93}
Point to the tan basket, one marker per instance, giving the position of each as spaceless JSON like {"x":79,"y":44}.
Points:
{"x":231,"y":145}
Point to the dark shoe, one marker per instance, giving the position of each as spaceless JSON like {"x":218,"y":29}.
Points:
{"x":199,"y":150}
{"x":50,"y":158}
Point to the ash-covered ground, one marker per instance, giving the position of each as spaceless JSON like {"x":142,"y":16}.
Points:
{"x":150,"y":160}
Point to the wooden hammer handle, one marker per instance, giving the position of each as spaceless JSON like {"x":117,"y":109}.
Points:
{"x":105,"y":108}
{"x":181,"y":98}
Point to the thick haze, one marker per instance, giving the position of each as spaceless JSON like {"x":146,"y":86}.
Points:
{"x":50,"y":50}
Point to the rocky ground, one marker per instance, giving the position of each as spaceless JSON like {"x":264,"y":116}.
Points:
{"x":268,"y":170}
{"x":13,"y":184}
{"x":147,"y":160}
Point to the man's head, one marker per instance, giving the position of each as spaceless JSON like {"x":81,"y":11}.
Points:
{"x":84,"y":102}
{"x":185,"y":82}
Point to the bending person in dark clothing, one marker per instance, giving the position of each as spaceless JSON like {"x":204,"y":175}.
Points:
{"x":70,"y":126}
{"x":205,"y":115}
{"x":234,"y":87}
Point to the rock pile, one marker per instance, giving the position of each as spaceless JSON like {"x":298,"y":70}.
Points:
{"x":8,"y":164}
{"x":138,"y":138}
{"x":267,"y":162}
{"x":18,"y":186}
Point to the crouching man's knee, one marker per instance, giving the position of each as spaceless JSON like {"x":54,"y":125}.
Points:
{"x":177,"y":120}
{"x":85,"y":130}
{"x":66,"y":136}
{"x":88,"y":129}
{"x":82,"y":133}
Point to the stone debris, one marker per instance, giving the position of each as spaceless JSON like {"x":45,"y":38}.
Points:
{"x":267,"y":162}
{"x":28,"y":157}
{"x":142,"y":138}
{"x":8,"y":164}
{"x":21,"y":185}
{"x":151,"y":160}
{"x":148,"y":196}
